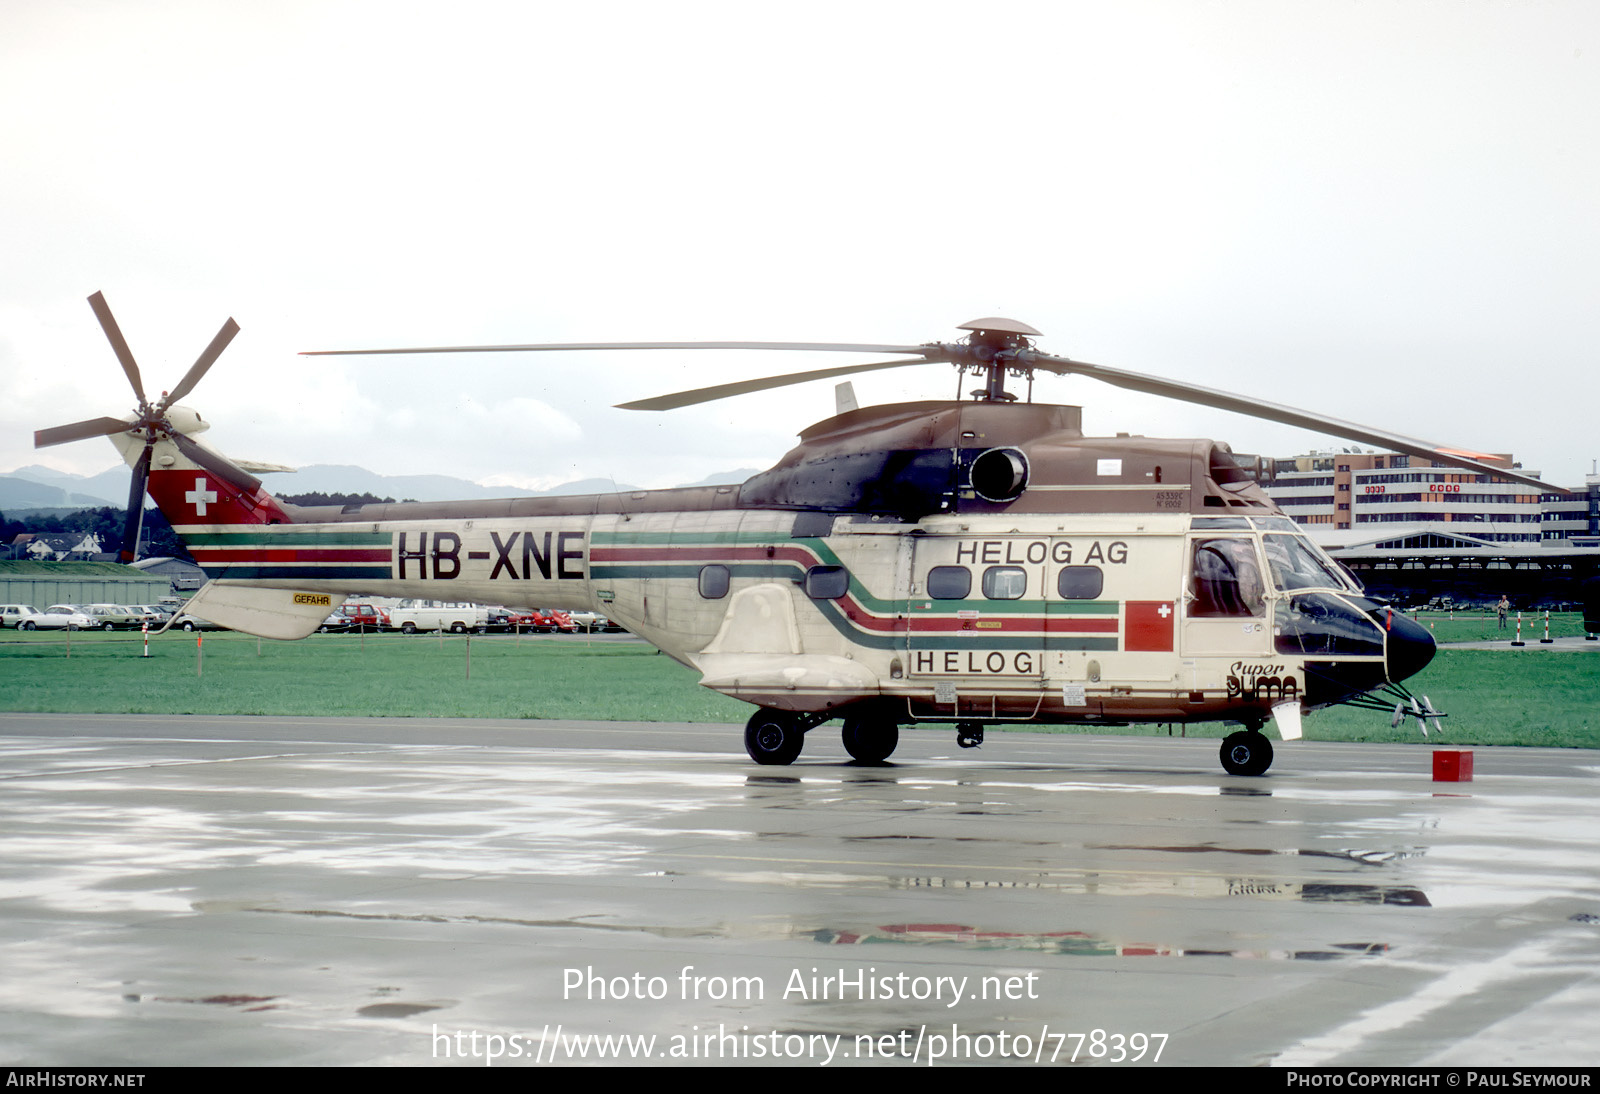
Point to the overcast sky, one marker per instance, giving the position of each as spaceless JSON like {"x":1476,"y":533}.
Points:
{"x":1388,"y":212}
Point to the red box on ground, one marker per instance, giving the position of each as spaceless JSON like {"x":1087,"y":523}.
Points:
{"x":1451,"y":766}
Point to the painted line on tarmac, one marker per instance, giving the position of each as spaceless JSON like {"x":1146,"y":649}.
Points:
{"x":1441,"y":993}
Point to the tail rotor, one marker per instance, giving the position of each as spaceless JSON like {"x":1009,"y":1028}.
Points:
{"x":150,"y":422}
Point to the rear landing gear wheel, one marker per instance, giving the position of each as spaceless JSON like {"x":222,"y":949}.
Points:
{"x":1246,"y":753}
{"x":773,"y":737}
{"x":870,"y":740}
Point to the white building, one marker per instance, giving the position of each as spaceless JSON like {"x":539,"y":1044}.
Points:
{"x":1573,"y":520}
{"x":1348,"y":497}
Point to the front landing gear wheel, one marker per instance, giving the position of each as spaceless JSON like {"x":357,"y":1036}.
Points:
{"x":1246,"y":753}
{"x":773,"y":737}
{"x":870,"y":740}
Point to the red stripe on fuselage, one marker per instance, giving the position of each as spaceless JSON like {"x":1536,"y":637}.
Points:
{"x":289,"y":554}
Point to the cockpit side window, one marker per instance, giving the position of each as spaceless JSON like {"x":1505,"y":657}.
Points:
{"x":1227,"y":579}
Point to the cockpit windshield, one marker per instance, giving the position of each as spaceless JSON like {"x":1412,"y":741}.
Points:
{"x":1296,"y":564}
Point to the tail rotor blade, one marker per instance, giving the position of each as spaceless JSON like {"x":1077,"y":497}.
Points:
{"x":217,"y":464}
{"x":77,"y":431}
{"x":135,"y":518}
{"x":202,"y":363}
{"x":119,"y":345}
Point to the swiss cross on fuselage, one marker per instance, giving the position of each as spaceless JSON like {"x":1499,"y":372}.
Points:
{"x":1164,"y":611}
{"x":200,"y":497}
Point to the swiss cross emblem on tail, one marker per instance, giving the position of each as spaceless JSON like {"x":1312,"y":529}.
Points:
{"x":1147,"y":626}
{"x":200,"y":497}
{"x":191,"y":496}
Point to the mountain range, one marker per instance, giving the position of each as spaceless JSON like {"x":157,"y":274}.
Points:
{"x":35,"y":487}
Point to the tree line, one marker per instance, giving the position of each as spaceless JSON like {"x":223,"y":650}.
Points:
{"x":157,"y":540}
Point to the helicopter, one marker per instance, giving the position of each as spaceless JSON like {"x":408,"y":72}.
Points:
{"x":975,"y":562}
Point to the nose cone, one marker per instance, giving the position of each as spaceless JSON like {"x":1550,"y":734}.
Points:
{"x":1408,"y":646}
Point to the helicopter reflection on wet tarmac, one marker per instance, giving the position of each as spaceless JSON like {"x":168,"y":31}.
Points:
{"x":331,"y":891}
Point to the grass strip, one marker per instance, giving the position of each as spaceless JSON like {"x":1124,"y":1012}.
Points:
{"x":1533,"y":696}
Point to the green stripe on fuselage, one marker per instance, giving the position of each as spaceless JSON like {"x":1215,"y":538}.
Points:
{"x":683,"y":539}
{"x":897,"y":639}
{"x":875,"y":604}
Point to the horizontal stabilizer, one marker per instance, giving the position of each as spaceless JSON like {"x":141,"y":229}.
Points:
{"x":266,"y":613}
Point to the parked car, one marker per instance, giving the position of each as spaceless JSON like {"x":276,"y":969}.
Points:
{"x":337,"y":621}
{"x":541,"y":620}
{"x":101,"y":616}
{"x":411,"y":616}
{"x":553,"y":619}
{"x":520,"y":619}
{"x":122,"y":617}
{"x":25,"y":617}
{"x":186,"y":622}
{"x":374,"y":617}
{"x":352,"y":617}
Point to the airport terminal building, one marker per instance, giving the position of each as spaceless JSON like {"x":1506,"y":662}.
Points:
{"x":1414,"y":530}
{"x":1363,"y":495}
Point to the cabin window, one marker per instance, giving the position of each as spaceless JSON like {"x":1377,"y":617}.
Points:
{"x":1227,"y":579}
{"x":1080,"y":582}
{"x":949,"y":582}
{"x":1004,"y":582}
{"x":827,"y":582}
{"x":714,"y":582}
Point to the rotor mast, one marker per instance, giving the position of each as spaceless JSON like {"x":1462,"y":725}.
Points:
{"x":995,"y":345}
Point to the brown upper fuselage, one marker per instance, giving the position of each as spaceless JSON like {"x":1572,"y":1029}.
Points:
{"x":910,"y":460}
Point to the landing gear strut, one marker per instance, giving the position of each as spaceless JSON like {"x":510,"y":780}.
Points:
{"x":1247,"y":752}
{"x":969,"y":734}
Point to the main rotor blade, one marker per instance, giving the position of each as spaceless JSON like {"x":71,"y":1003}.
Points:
{"x":217,"y":464}
{"x":1275,"y":412}
{"x":826,"y":347}
{"x":745,"y":387}
{"x":77,"y":431}
{"x":202,"y":363}
{"x":135,"y":517}
{"x":119,"y":345}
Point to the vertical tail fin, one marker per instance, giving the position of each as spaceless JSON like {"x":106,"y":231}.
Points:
{"x":193,"y":498}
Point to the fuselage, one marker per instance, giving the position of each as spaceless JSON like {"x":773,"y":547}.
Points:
{"x":968,"y":562}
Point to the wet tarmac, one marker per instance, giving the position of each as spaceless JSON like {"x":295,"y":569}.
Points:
{"x":1567,"y":644}
{"x":204,"y":890}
